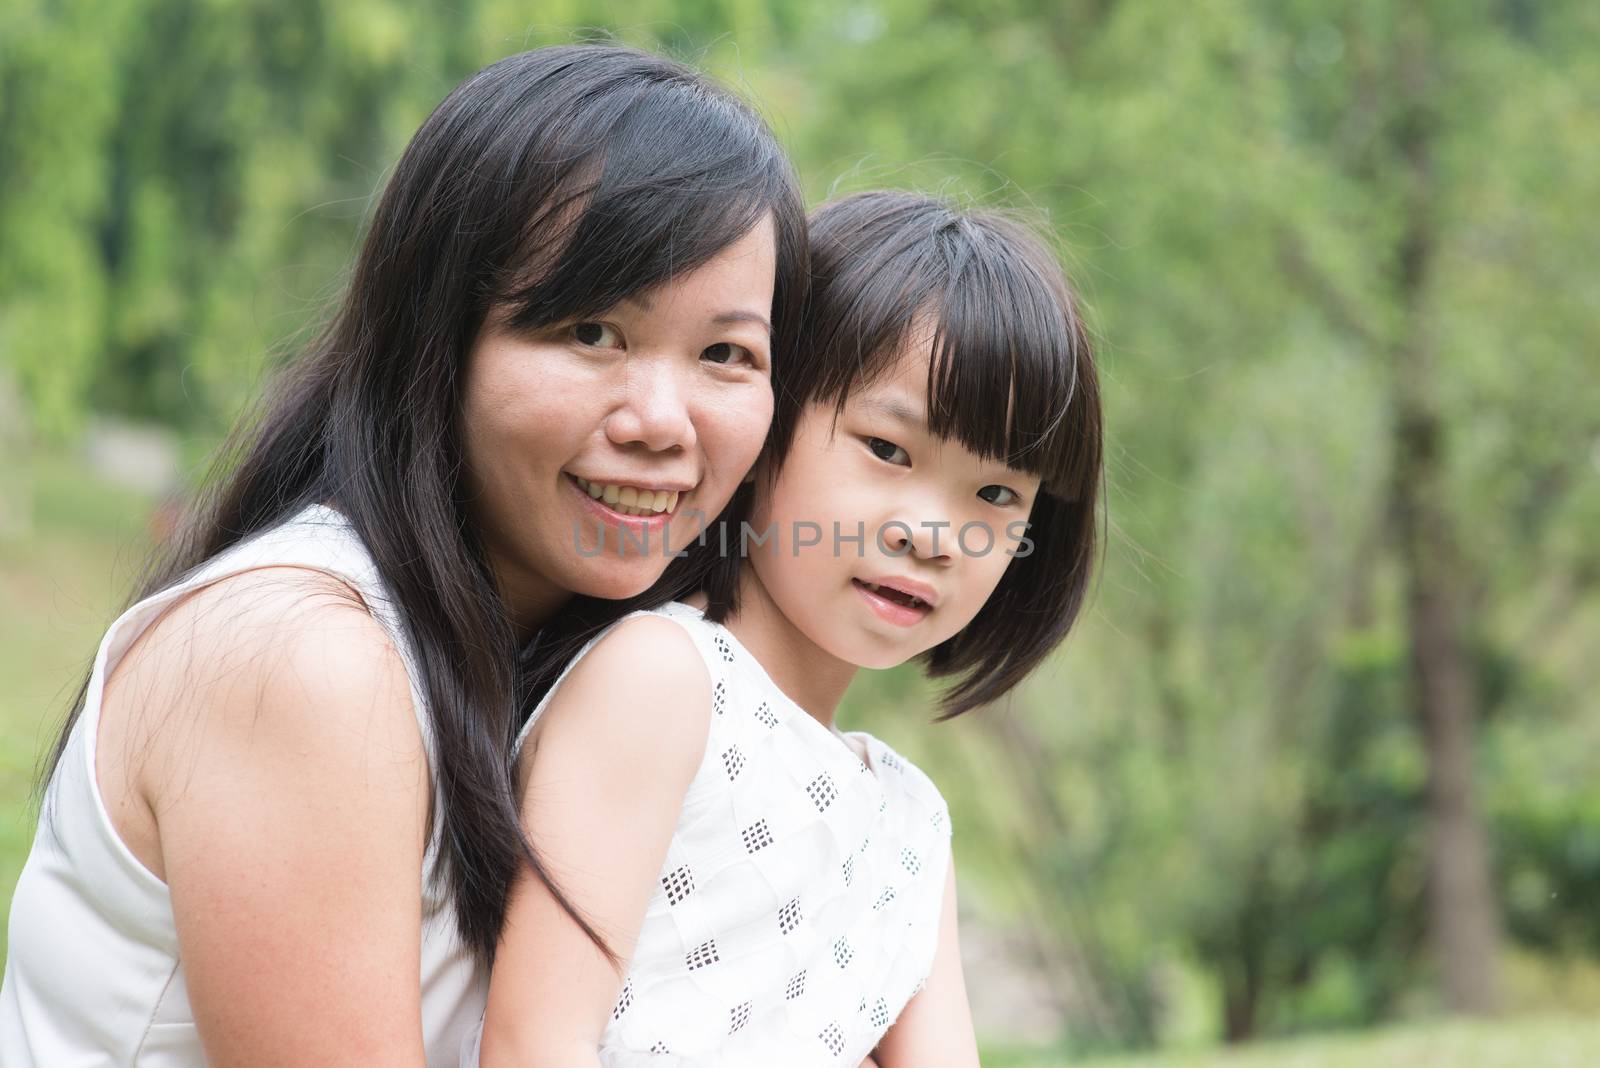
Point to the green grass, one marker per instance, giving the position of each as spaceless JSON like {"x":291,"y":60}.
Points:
{"x":61,"y":580}
{"x":1519,"y":1042}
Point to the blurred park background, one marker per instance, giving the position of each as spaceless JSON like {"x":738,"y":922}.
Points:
{"x":1315,"y":781}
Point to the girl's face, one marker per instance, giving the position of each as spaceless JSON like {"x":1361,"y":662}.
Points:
{"x":936,"y":521}
{"x":583,"y":432}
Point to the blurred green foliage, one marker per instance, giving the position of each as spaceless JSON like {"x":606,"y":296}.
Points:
{"x":1212,"y":803}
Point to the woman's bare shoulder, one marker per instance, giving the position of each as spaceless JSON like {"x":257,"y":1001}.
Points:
{"x":282,"y":777}
{"x":283,"y":655}
{"x":249,"y":625}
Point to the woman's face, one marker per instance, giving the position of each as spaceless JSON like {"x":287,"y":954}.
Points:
{"x":589,"y":444}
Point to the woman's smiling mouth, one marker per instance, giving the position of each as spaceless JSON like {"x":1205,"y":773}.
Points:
{"x":629,"y":501}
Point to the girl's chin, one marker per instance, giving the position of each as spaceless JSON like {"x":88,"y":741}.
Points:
{"x":879,"y":652}
{"x":882,"y":663}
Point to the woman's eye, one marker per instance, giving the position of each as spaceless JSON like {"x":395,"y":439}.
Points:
{"x":888,"y":451}
{"x":725,"y":352}
{"x":596,"y":335}
{"x":998,"y":494}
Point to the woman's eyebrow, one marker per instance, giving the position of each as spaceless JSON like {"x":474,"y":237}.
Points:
{"x":743,"y":317}
{"x":645,"y":304}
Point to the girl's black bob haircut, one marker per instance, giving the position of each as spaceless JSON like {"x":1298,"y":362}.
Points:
{"x":1011,"y":376}
{"x":547,"y":187}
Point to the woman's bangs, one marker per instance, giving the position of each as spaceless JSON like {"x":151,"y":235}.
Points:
{"x":664,"y":199}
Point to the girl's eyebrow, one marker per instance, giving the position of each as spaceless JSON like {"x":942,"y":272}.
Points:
{"x":898,"y":410}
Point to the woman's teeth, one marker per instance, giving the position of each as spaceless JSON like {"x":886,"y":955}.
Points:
{"x":630,"y":500}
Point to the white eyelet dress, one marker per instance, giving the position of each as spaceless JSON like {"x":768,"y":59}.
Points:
{"x":798,"y":908}
{"x":93,"y":976}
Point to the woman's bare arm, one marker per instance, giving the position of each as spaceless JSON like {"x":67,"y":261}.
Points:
{"x":935,"y":1027}
{"x":285,"y":773}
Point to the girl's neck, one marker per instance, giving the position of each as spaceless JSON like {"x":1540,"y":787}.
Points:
{"x":809,"y":676}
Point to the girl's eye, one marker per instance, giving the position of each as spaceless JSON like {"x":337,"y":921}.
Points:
{"x":998,"y":495}
{"x":596,"y":335}
{"x":725,"y":353}
{"x":888,"y":452}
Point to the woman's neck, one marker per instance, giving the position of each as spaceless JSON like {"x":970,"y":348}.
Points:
{"x":808,"y":675}
{"x":530,"y":601}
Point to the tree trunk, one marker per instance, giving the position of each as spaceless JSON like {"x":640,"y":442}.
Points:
{"x":1243,"y":971}
{"x":1463,"y":920}
{"x":1240,"y":996}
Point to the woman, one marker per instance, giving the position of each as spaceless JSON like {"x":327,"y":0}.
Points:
{"x":572,"y":286}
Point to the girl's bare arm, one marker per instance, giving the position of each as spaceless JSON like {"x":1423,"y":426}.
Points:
{"x":610,"y":761}
{"x":935,"y":1027}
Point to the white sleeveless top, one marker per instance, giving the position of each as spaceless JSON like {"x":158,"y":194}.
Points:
{"x":93,"y":975}
{"x":798,"y":908}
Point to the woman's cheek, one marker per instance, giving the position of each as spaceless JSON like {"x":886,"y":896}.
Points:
{"x":741,"y":429}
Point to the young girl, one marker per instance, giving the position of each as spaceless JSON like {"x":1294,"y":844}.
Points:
{"x":774,"y":891}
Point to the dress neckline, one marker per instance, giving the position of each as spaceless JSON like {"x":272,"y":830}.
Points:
{"x":828,"y":737}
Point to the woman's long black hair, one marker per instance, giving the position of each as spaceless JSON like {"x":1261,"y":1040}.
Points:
{"x":557,"y":182}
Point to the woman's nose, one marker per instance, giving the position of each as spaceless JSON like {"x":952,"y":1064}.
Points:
{"x":655,"y":409}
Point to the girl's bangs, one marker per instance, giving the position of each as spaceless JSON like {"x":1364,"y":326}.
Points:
{"x":1003,"y":371}
{"x":1007,"y":345}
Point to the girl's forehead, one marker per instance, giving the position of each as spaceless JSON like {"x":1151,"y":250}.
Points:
{"x":905,"y":389}
{"x":903,"y":382}
{"x":902,"y":376}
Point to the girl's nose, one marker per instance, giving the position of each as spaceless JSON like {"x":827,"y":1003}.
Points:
{"x":918,"y":532}
{"x":655,"y":409}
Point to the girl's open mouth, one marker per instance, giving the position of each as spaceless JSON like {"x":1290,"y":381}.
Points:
{"x":895,"y":606}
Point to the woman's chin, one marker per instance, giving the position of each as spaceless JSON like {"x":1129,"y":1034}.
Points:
{"x":614,"y":579}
